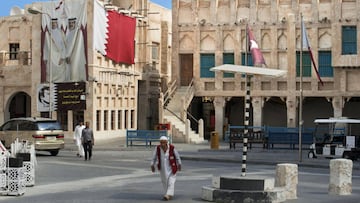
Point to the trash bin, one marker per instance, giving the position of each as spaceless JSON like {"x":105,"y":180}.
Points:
{"x":214,"y":140}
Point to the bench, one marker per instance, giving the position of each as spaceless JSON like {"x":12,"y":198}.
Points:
{"x":145,"y":137}
{"x":291,"y":138}
{"x":235,"y":134}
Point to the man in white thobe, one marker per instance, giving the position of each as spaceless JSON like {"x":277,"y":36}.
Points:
{"x":77,"y":138}
{"x":168,"y":162}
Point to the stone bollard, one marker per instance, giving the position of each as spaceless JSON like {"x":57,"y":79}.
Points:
{"x":340,"y":177}
{"x":287,"y":177}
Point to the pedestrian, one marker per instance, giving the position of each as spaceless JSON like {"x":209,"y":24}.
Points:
{"x":168,"y":163}
{"x":77,"y":138}
{"x":88,"y":141}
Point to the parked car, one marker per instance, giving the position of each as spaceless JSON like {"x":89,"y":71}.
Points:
{"x":46,"y":134}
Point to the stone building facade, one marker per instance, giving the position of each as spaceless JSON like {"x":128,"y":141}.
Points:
{"x":113,"y":90}
{"x":208,"y":33}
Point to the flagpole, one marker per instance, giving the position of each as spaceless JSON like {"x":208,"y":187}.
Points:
{"x":301,"y":89}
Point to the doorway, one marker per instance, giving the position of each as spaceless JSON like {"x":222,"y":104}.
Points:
{"x":19,"y":106}
{"x":186,"y":69}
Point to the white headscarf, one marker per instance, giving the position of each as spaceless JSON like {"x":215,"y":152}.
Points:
{"x":164,"y":138}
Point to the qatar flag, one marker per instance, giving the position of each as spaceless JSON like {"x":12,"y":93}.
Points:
{"x":114,"y":34}
{"x":257,"y":57}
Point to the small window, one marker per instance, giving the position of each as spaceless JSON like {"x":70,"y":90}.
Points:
{"x":14,"y":51}
{"x":112,"y":120}
{"x":132,"y":119}
{"x":228,"y":58}
{"x":349,"y":40}
{"x":207,"y":61}
{"x":106,"y":120}
{"x":247,"y":62}
{"x":155,"y":51}
{"x":306,"y":64}
{"x":325,"y":68}
{"x":98,"y":117}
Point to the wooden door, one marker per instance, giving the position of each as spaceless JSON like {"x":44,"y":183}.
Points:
{"x":186,"y":69}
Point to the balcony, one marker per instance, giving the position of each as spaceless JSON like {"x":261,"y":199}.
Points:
{"x":21,"y":58}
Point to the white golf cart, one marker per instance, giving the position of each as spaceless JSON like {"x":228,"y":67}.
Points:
{"x":336,"y":138}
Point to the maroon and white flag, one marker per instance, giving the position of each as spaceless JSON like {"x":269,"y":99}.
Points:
{"x":114,"y":34}
{"x":257,"y":57}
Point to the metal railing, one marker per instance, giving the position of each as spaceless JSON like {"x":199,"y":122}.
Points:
{"x":170,"y":92}
{"x":189,"y":94}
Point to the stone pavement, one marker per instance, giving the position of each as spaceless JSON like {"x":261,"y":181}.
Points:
{"x":203,"y":152}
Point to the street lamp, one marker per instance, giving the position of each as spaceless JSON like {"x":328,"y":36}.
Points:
{"x":35,"y":11}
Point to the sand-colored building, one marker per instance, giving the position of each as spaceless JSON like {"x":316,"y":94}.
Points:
{"x":208,"y":33}
{"x":113,"y":91}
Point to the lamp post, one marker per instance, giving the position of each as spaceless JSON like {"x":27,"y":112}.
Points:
{"x":35,"y":11}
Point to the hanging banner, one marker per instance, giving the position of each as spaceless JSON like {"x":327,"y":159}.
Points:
{"x":64,"y":41}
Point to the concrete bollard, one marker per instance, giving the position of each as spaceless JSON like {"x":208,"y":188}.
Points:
{"x":340,"y":177}
{"x":287,"y":177}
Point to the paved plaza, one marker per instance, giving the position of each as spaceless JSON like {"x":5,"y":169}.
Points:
{"x":122,"y":174}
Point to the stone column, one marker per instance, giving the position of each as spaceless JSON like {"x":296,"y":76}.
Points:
{"x":70,"y":121}
{"x":287,"y":177}
{"x":338,"y":105}
{"x":257,"y":104}
{"x":291,"y":104}
{"x":340,"y":177}
{"x":161,"y":108}
{"x":201,"y":128}
{"x":219,"y":104}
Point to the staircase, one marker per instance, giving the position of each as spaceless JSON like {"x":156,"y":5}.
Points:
{"x":175,"y":113}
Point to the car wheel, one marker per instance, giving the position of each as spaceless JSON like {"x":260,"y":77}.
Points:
{"x":311,"y":155}
{"x":54,"y":152}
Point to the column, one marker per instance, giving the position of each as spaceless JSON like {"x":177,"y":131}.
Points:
{"x":338,"y":104}
{"x":291,"y":104}
{"x":257,"y":104}
{"x":219,"y":104}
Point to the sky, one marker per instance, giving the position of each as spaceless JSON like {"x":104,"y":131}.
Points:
{"x":6,"y":5}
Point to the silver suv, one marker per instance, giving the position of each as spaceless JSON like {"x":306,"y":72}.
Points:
{"x":46,"y":134}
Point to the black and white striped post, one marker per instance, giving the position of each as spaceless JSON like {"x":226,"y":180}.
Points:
{"x":246,"y":125}
{"x":249,"y":71}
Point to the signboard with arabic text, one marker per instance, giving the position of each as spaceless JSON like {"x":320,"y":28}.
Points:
{"x":71,"y":96}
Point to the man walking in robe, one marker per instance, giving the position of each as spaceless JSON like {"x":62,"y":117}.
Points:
{"x":168,"y":163}
{"x":77,"y":138}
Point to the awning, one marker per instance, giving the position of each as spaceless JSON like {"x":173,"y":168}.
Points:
{"x":249,"y":70}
